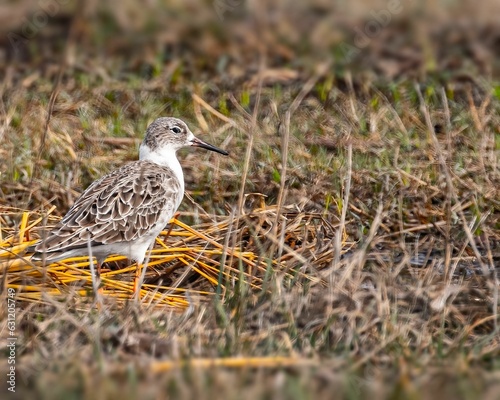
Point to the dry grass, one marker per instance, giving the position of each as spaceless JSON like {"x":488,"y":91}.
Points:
{"x":349,"y":245}
{"x":206,"y":252}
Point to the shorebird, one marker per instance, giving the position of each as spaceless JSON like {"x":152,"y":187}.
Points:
{"x":124,"y":211}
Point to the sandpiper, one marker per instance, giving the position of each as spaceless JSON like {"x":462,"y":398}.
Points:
{"x":124,"y":211}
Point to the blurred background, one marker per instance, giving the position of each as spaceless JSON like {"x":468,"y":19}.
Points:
{"x":224,"y":40}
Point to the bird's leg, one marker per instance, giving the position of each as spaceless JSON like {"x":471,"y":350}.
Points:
{"x":98,"y":269}
{"x":140,"y":266}
{"x":137,"y":279}
{"x":171,"y":225}
{"x":140,"y":272}
{"x":96,"y":280}
{"x":98,"y":276}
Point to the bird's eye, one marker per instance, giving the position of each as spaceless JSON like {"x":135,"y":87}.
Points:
{"x":176,"y":129}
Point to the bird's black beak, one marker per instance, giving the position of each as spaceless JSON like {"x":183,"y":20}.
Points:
{"x":200,"y":143}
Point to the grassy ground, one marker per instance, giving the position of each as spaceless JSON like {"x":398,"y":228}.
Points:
{"x":356,"y":221}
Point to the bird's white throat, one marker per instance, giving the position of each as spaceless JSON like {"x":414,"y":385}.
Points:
{"x":165,"y":156}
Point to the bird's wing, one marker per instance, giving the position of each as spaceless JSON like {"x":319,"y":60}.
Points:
{"x":121,"y":206}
